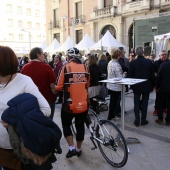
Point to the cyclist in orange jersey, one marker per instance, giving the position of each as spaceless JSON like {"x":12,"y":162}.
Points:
{"x":74,"y":79}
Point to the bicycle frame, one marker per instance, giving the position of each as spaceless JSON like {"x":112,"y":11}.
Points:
{"x":93,"y":128}
{"x":104,"y":134}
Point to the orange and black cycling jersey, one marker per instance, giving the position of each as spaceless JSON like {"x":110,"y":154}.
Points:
{"x":74,"y":79}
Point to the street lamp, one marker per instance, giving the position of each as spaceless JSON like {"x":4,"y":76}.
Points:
{"x":154,"y":29}
{"x":101,"y":44}
{"x":29,"y":37}
{"x":73,"y":24}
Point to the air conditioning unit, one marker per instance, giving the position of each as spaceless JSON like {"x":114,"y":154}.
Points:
{"x":77,"y":21}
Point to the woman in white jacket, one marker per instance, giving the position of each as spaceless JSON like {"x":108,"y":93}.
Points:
{"x":114,"y":71}
{"x":11,"y":85}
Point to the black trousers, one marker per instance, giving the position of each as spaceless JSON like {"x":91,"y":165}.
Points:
{"x":80,"y":118}
{"x":114,"y":99}
{"x":164,"y":98}
{"x":143,"y":103}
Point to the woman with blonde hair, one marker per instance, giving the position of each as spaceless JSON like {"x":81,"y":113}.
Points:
{"x":114,"y":71}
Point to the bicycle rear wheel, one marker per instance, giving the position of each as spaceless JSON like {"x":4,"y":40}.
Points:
{"x":114,"y":149}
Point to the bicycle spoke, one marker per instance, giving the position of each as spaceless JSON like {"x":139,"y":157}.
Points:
{"x":114,"y":148}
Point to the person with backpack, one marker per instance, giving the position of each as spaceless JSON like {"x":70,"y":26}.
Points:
{"x":74,"y":79}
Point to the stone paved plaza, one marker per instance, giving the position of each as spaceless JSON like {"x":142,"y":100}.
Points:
{"x":152,"y":153}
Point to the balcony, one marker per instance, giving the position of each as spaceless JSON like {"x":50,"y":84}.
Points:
{"x":105,"y":12}
{"x":165,"y":4}
{"x":78,"y":20}
{"x":137,"y":6}
{"x":55,"y":24}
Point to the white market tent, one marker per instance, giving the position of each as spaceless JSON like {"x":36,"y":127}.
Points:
{"x":107,"y":41}
{"x":85,"y":43}
{"x":66,"y":45}
{"x":23,"y":51}
{"x":54,"y":45}
{"x":161,"y":43}
{"x":43,"y":45}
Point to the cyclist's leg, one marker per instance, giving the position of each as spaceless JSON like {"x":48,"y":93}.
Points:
{"x":66,"y":120}
{"x":79,"y":124}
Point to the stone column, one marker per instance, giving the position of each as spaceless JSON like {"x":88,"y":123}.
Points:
{"x":120,"y":31}
{"x":100,"y":4}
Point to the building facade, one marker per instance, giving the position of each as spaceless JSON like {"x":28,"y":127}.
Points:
{"x":95,"y":17}
{"x":23,"y":23}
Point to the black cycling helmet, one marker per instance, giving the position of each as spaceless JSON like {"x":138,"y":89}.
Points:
{"x":73,"y":52}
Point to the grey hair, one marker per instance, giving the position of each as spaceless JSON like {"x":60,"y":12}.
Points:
{"x":139,"y":50}
{"x":162,"y":51}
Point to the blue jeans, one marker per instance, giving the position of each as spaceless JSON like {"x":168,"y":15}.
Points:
{"x":140,"y":100}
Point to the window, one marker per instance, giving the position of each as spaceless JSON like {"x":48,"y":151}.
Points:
{"x":56,"y":14}
{"x":108,"y":3}
{"x":56,"y":18}
{"x":38,"y":38}
{"x":78,"y":9}
{"x":21,"y":37}
{"x":11,"y":36}
{"x":111,"y":29}
{"x":37,"y":13}
{"x":19,"y":10}
{"x":28,"y":11}
{"x":9,"y":8}
{"x":29,"y":25}
{"x":57,"y":36}
{"x":10,"y":22}
{"x":79,"y":36}
{"x":38,"y":25}
{"x":20,"y":23}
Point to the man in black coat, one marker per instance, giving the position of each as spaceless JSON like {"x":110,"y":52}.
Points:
{"x":163,"y":87}
{"x":163,"y":58}
{"x":141,"y":68}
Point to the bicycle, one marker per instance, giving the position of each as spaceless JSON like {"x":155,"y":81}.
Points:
{"x":109,"y":138}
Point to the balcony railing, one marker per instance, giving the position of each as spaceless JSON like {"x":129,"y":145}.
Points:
{"x":107,"y":11}
{"x":78,"y":20}
{"x":55,"y":24}
{"x":135,"y":6}
{"x":104,"y":11}
{"x":165,"y":3}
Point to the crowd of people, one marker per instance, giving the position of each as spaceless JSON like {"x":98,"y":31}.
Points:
{"x":67,"y":79}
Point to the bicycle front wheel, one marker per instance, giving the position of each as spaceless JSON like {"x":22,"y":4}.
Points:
{"x":114,"y":148}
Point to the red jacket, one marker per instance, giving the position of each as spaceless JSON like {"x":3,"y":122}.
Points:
{"x":42,"y":75}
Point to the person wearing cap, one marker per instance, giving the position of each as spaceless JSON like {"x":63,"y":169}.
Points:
{"x":74,"y":79}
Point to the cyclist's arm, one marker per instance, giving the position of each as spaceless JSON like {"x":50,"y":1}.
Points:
{"x":60,"y":82}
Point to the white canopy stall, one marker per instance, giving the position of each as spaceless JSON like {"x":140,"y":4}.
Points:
{"x":23,"y":50}
{"x":161,"y":43}
{"x":43,"y":45}
{"x":107,"y":41}
{"x":66,"y":45}
{"x":54,"y":45}
{"x":85,"y":43}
